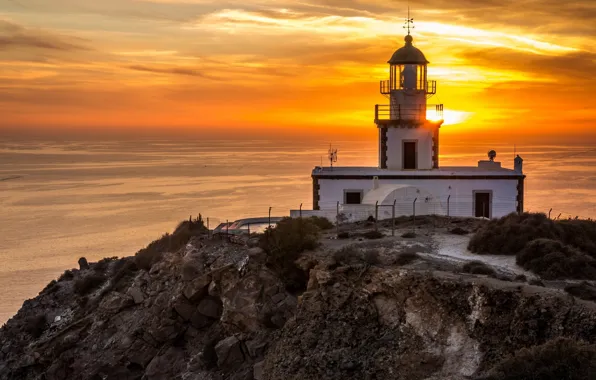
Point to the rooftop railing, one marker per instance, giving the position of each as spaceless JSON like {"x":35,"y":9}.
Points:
{"x":385,"y":87}
{"x":413,"y":113}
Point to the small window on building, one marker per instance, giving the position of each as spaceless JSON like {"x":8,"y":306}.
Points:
{"x":353,"y":197}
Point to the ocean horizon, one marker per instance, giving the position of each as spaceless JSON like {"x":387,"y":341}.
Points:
{"x":62,"y":200}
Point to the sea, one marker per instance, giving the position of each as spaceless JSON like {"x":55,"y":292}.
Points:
{"x":62,"y":200}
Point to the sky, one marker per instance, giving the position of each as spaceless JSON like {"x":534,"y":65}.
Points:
{"x":514,"y":70}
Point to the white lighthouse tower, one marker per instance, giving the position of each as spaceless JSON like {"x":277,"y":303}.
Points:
{"x":408,"y":178}
{"x":408,"y":139}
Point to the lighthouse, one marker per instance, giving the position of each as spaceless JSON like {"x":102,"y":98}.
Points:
{"x":408,"y":126}
{"x":408,"y":179}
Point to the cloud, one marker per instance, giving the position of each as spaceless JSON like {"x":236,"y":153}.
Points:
{"x":171,"y":70}
{"x":13,"y":36}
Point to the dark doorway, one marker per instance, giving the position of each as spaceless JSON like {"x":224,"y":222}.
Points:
{"x":353,"y":197}
{"x":482,"y":204}
{"x":409,"y":155}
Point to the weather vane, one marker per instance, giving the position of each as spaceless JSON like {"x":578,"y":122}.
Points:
{"x":409,"y":22}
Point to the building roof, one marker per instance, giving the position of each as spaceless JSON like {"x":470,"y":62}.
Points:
{"x":408,"y":54}
{"x":363,"y":172}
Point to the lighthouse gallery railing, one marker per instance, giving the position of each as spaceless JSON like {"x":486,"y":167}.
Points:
{"x":418,"y":113}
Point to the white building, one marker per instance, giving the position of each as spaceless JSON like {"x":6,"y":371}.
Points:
{"x":409,"y":174}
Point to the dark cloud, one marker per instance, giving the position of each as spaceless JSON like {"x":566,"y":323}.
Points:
{"x":171,"y":70}
{"x":14,"y":36}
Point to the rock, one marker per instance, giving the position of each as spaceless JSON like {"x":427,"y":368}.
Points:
{"x":184,"y":309}
{"x":256,"y":348}
{"x":210,"y":307}
{"x":200,"y":321}
{"x":257,"y":371}
{"x":257,"y":254}
{"x":83,"y":264}
{"x":198,"y":288}
{"x":278,"y":298}
{"x":136,"y":294}
{"x":115,"y":302}
{"x":229,"y":353}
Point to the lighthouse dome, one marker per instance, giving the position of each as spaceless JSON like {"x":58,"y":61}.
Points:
{"x":408,"y":54}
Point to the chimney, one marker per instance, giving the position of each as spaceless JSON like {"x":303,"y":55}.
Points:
{"x":518,"y":164}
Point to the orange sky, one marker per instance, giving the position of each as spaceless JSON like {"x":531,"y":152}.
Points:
{"x":519,"y":70}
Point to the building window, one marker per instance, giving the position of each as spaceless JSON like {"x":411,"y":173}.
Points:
{"x":410,"y":154}
{"x":353,"y":197}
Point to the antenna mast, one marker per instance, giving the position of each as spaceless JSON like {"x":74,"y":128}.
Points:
{"x":332,"y":155}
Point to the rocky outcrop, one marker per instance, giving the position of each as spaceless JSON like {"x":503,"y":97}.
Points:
{"x":216,"y":311}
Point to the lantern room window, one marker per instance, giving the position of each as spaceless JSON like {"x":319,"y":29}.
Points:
{"x":408,"y":77}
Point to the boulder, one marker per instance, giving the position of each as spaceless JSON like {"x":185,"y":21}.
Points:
{"x":83,"y":264}
{"x":210,"y":307}
{"x":257,"y":371}
{"x":229,"y":353}
{"x":136,"y":294}
{"x":197,"y":289}
{"x":184,"y":309}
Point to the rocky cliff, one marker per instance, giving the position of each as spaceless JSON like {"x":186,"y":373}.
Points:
{"x":215,"y":310}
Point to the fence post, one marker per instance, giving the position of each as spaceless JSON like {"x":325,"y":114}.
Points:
{"x":448,"y":198}
{"x":337,"y":219}
{"x":414,"y":208}
{"x":300,"y":210}
{"x":549,"y":211}
{"x":269,"y":216}
{"x":227,"y":229}
{"x":393,"y":218}
{"x":208,"y":230}
{"x":376,"y":215}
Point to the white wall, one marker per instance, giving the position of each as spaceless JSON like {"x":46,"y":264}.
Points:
{"x":461,"y":202}
{"x":395,"y":137}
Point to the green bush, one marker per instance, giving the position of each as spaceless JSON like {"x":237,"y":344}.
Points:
{"x":103,"y":264}
{"x":558,"y":359}
{"x":553,"y":260}
{"x":321,"y":222}
{"x":85,"y":285}
{"x":478,"y":267}
{"x":284,"y":243}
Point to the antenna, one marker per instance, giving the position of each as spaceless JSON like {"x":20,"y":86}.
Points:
{"x":332,"y":155}
{"x":409,"y":24}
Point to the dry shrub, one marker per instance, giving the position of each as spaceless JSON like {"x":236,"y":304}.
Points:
{"x":478,"y":267}
{"x":510,"y":234}
{"x":405,"y":258}
{"x":153,"y":253}
{"x":561,"y":358}
{"x":103,"y":264}
{"x":553,"y":260}
{"x":66,"y":276}
{"x":459,"y":231}
{"x":584,"y":290}
{"x":371,"y":257}
{"x":347,"y":255}
{"x":284,"y":243}
{"x":409,"y":235}
{"x":321,"y":222}
{"x":374,"y":234}
{"x":35,"y":325}
{"x":343,"y":235}
{"x":85,"y":285}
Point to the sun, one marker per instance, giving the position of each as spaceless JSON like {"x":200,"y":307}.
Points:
{"x":450,"y":117}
